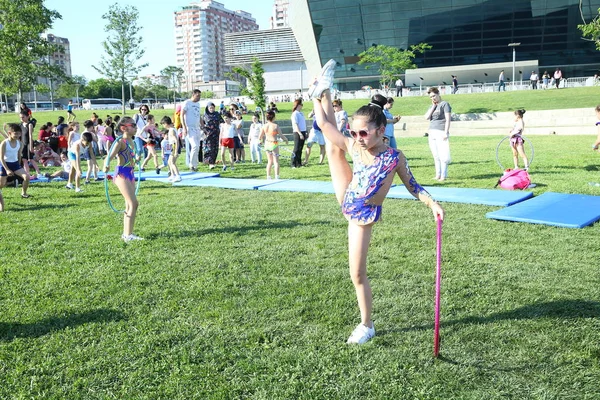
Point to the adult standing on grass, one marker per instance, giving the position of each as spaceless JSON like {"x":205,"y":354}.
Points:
{"x":123,"y":150}
{"x":454,"y":84}
{"x":140,"y":120}
{"x":191,"y":127}
{"x":439,"y":115}
{"x":501,"y":84}
{"x":399,"y":87}
{"x":361,"y":191}
{"x":533,"y":79}
{"x":212,"y":120}
{"x":557,"y":77}
{"x":27,"y":156}
{"x":299,"y":128}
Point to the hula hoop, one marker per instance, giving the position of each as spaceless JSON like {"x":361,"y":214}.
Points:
{"x":137,"y":188}
{"x":525,"y":140}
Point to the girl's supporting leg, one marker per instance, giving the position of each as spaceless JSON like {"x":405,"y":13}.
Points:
{"x":231,"y":157}
{"x":515,"y":156}
{"x":521,"y":151}
{"x":341,"y":174}
{"x":308,"y":148}
{"x":25,"y":176}
{"x":322,"y":154}
{"x":127,"y":189}
{"x":269,"y":163}
{"x":276,"y":162}
{"x":359,"y":237}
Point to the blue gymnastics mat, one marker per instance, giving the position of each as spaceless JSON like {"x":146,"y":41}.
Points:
{"x":556,"y":209}
{"x":187,"y":175}
{"x":296,"y":185}
{"x":227,"y":183}
{"x":487,"y":197}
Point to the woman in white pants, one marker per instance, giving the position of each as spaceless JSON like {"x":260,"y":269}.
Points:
{"x":439,"y":131}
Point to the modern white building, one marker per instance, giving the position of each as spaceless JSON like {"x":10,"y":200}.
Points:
{"x":200,"y":30}
{"x":279,"y":19}
{"x":278,"y":52}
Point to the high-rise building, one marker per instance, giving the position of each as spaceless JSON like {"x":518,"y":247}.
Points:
{"x":62,"y":57}
{"x":461,"y":33}
{"x":280,"y":14}
{"x":200,"y":30}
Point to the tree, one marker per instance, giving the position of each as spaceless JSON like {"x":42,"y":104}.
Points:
{"x":24,"y":52}
{"x":101,"y":88}
{"x":255,"y":82}
{"x":392,"y":61}
{"x":175,"y":74}
{"x":72,"y":87}
{"x":122,"y":47}
{"x":591,"y":30}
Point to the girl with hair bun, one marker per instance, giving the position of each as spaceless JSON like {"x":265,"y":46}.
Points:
{"x":361,"y":191}
{"x":516,"y":140}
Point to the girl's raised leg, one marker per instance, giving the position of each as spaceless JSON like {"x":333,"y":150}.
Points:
{"x":341,"y":174}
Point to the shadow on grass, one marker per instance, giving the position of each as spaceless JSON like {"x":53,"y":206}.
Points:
{"x":10,"y":331}
{"x":591,"y":168}
{"x":561,"y":309}
{"x":241,"y":230}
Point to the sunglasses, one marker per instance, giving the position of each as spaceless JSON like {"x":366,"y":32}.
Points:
{"x":361,"y":133}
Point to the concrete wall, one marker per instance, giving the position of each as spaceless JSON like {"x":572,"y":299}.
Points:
{"x":578,"y":121}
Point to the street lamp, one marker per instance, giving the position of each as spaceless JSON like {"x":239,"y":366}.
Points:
{"x":514,"y":49}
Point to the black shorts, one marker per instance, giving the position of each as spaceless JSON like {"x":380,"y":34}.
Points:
{"x":26,"y":154}
{"x":70,"y":112}
{"x":237,"y":143}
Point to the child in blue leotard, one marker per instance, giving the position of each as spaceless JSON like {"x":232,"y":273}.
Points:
{"x":361,"y":191}
{"x":124,"y":178}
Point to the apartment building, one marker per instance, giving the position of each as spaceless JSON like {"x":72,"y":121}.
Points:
{"x":200,"y":30}
{"x":280,"y":14}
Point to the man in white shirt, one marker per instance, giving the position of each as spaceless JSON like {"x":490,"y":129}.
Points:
{"x":399,"y":87}
{"x":191,"y":127}
{"x":534,"y":78}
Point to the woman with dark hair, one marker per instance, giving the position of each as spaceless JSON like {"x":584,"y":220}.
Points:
{"x":299,"y":128}
{"x":212,"y":120}
{"x":361,"y":191}
{"x":439,"y":133}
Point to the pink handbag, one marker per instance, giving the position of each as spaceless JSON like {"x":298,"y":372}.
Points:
{"x":514,"y":179}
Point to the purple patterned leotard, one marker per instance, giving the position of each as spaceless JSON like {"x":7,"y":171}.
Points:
{"x":363,"y":198}
{"x":126,"y":170}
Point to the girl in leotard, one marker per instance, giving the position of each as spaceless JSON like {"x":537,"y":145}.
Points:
{"x":516,"y":140}
{"x":362,"y":191}
{"x":124,"y":178}
{"x":271,"y":131}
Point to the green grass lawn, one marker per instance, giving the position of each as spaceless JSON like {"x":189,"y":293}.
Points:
{"x":461,"y":103}
{"x":246,"y":294}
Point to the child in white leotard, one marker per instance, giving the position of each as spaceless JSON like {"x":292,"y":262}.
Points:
{"x":10,"y":154}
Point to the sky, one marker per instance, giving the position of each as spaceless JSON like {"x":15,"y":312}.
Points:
{"x":84,"y":27}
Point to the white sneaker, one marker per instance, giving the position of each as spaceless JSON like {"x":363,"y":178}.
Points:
{"x":69,"y":186}
{"x":177,"y":179}
{"x":78,"y":190}
{"x":361,"y":334}
{"x":130,"y":237}
{"x":324,"y":81}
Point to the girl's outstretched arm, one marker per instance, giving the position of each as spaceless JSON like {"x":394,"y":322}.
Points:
{"x":415,"y":189}
{"x":325,"y":117}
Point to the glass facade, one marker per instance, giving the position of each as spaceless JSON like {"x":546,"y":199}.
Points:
{"x":462,"y":32}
